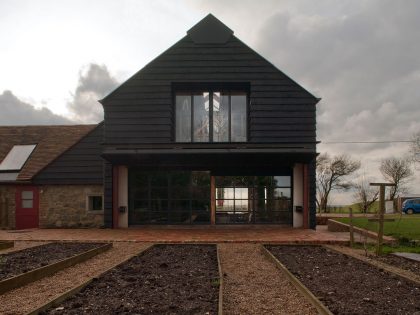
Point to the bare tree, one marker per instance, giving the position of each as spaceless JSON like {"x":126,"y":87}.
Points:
{"x":397,"y":171}
{"x":330,"y":175}
{"x":415,"y":148}
{"x":365,"y":195}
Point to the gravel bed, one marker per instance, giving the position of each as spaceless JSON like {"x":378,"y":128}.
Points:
{"x":347,"y":285}
{"x":18,"y":262}
{"x":34,"y":295}
{"x":253,"y":285}
{"x":167,"y":279}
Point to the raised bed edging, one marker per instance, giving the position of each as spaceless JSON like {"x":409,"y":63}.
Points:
{"x":321,"y":308}
{"x":336,"y":226}
{"x":376,"y":264}
{"x":6,"y":244}
{"x":42,"y":272}
{"x":57,"y":300}
{"x":220,"y":307}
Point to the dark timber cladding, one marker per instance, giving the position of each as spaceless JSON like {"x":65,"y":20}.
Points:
{"x":141,"y":110}
{"x":81,"y":164}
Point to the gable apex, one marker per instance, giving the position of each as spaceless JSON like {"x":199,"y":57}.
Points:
{"x":210,"y":30}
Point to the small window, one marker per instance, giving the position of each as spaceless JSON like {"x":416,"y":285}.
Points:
{"x":95,"y":203}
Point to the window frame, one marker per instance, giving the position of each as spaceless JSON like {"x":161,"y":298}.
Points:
{"x":88,"y":203}
{"x":211,"y":89}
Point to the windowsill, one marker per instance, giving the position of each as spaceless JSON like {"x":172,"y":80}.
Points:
{"x":96,"y":212}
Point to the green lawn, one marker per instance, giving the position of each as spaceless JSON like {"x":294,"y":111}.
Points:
{"x":404,"y":227}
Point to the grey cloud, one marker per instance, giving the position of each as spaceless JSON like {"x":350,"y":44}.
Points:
{"x":93,"y":85}
{"x":13,"y":111}
{"x":365,"y":65}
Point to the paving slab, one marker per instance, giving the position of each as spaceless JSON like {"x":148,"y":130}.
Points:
{"x":412,"y":256}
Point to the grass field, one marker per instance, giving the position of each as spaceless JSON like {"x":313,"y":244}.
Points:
{"x":403,"y":228}
{"x":355,"y":207}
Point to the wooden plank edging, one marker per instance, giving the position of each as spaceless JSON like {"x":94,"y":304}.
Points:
{"x":376,"y":264}
{"x":220,"y":306}
{"x":45,"y":271}
{"x":321,"y":308}
{"x":6,"y":244}
{"x":60,"y":298}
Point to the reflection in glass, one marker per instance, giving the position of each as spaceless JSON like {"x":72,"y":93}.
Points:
{"x":238,"y":103}
{"x":220,"y":117}
{"x":176,"y":197}
{"x":201,"y":117}
{"x":183,"y":118}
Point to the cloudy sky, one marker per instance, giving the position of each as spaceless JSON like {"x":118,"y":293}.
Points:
{"x":361,"y":57}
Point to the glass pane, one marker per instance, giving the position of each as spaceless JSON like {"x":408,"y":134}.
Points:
{"x":241,"y":205}
{"x":158,"y":217}
{"x":241,"y":193}
{"x":238,"y":118}
{"x":180,"y":205}
{"x":220,"y":117}
{"x":224,"y":193}
{"x":282,"y":181}
{"x":200,"y":217}
{"x":27,"y":194}
{"x":282,"y":193}
{"x":200,"y":179}
{"x":159,"y":205}
{"x":201,"y":205}
{"x":180,"y":178}
{"x":201,"y":117}
{"x":224,"y":205}
{"x":159,"y":192}
{"x":183,"y":118}
{"x":27,"y":203}
{"x":141,"y":205}
{"x":180,"y":217}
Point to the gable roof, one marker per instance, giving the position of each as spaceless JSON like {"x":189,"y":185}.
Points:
{"x":51,"y":142}
{"x":208,"y":36}
{"x":210,"y":31}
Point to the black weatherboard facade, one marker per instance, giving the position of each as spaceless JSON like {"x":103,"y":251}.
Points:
{"x":209,"y":132}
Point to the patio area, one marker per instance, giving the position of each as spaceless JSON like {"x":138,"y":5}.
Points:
{"x":178,"y":234}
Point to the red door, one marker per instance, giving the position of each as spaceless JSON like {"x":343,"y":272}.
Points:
{"x":27,"y":202}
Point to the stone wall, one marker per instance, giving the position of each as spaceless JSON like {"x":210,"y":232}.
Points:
{"x":7,"y":207}
{"x":66,"y":206}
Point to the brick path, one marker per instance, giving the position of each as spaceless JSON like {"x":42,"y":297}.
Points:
{"x":266,"y":234}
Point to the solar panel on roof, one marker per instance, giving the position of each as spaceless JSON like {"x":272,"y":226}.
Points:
{"x":17,"y":157}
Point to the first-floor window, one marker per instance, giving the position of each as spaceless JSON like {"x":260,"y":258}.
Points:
{"x":211,"y":116}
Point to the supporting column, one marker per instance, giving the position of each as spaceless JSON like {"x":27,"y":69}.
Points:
{"x":115,"y":213}
{"x":305,"y":196}
{"x":212,"y":200}
{"x":123,"y":196}
{"x":297,"y":195}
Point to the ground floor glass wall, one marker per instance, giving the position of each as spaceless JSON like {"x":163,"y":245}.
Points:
{"x":183,"y":197}
{"x":173,"y":197}
{"x":253,"y":199}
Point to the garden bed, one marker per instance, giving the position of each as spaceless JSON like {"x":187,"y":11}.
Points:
{"x":347,"y":285}
{"x":15,"y":263}
{"x":166,"y":279}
